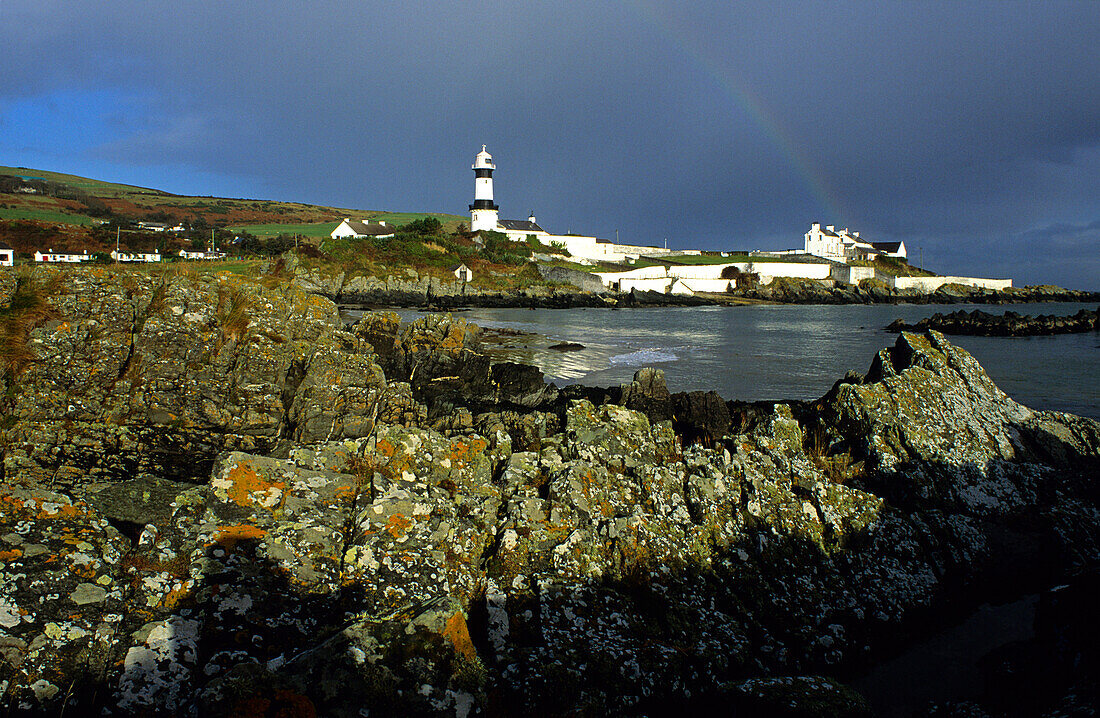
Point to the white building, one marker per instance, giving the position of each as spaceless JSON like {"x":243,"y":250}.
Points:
{"x":7,"y":255}
{"x":120,"y":256}
{"x":844,"y":245}
{"x":359,"y":228}
{"x":53,"y":256}
{"x":212,"y":254}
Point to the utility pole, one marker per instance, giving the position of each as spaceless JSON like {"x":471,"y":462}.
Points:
{"x":118,"y":232}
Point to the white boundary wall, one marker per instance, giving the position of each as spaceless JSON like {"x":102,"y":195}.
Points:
{"x":709,"y":285}
{"x":800,"y":270}
{"x":931,"y":284}
{"x":657,"y":284}
{"x":710,"y":275}
{"x":854,"y":275}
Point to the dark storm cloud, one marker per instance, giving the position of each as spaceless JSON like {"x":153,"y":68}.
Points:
{"x":956,"y":126}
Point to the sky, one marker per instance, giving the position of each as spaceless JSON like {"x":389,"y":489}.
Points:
{"x":968,"y":130}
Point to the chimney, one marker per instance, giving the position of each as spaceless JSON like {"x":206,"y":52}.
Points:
{"x":531,"y":217}
{"x":855,"y":234}
{"x":830,"y":227}
{"x":815,"y":227}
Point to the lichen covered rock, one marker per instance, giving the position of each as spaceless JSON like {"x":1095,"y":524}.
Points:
{"x":221,"y":502}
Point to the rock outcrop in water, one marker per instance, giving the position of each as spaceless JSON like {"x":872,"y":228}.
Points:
{"x":1009,"y":324}
{"x":218,"y":500}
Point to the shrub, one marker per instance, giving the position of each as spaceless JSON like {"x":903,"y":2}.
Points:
{"x":27,"y":310}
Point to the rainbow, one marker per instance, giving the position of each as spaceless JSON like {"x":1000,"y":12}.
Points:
{"x":753,"y":106}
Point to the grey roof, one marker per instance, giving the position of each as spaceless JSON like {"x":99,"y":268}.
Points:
{"x":456,"y":267}
{"x":827,"y":233}
{"x":520,"y":225}
{"x":4,"y":245}
{"x":370,"y":230}
{"x":886,"y":246}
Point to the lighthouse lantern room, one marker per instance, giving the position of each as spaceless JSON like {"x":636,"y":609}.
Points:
{"x":483,"y":212}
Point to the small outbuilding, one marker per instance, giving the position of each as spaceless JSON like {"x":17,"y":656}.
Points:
{"x":462,"y":273}
{"x":7,"y":255}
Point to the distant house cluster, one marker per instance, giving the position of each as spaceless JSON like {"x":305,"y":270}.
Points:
{"x":206,"y":254}
{"x":120,"y":256}
{"x":7,"y":256}
{"x":160,"y":227}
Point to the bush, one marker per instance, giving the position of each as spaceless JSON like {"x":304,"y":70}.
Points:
{"x":745,"y":280}
{"x":427,"y":227}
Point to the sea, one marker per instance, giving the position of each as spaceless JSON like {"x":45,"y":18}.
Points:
{"x":778,"y":352}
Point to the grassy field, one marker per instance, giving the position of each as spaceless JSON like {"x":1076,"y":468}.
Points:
{"x":43,"y":215}
{"x":319,"y":229}
{"x":91,"y":186}
{"x":324,"y":229}
{"x":450,"y":221}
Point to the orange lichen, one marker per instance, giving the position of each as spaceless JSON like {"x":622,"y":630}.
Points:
{"x":398,"y":525}
{"x":82,"y":571}
{"x":458,"y":633}
{"x":245,"y":481}
{"x":10,"y":555}
{"x":229,"y":536}
{"x":174,"y":597}
{"x":462,"y":451}
{"x":64,"y":511}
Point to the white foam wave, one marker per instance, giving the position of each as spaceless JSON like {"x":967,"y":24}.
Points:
{"x":643,"y":357}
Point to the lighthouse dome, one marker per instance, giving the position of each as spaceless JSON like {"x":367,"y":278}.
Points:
{"x":483,"y":160}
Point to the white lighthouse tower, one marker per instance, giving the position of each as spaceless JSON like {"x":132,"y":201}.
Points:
{"x":483,"y":212}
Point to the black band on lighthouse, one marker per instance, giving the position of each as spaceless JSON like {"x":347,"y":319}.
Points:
{"x":483,"y":204}
{"x":483,"y":172}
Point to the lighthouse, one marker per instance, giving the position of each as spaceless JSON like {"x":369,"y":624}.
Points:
{"x":483,"y":212}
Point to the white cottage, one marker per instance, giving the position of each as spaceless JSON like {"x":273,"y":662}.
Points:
{"x":62,"y":257}
{"x":360,"y":228}
{"x":120,"y":256}
{"x":205,"y":255}
{"x":7,"y":255}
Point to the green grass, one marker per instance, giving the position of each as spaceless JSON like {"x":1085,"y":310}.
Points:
{"x":93,"y":186}
{"x":399,"y":218}
{"x":43,"y":215}
{"x":708,"y":259}
{"x":324,"y":229}
{"x":317,"y":229}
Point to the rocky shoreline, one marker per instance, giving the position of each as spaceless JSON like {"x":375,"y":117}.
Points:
{"x":219,"y":500}
{"x":1009,"y":324}
{"x":413,"y":291}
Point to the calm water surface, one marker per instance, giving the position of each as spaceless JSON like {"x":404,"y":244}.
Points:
{"x":765,"y":352}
